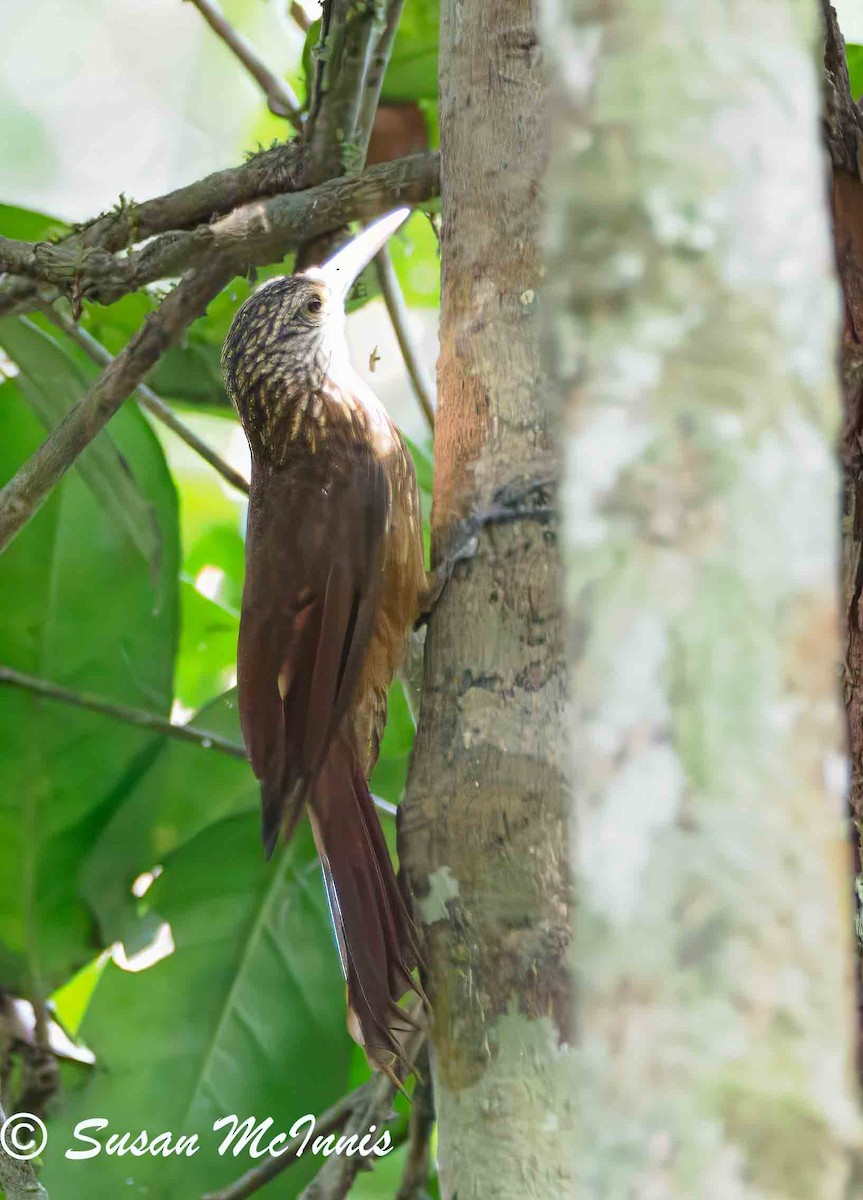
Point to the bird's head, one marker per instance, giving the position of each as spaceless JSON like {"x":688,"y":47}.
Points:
{"x":290,"y":334}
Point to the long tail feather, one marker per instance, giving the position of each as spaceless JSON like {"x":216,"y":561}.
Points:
{"x":373,"y":927}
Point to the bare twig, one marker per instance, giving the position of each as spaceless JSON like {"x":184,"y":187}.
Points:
{"x":397,"y":309}
{"x":370,"y":1104}
{"x":25,"y":493}
{"x":261,"y":232}
{"x":414,"y":1181}
{"x":17,"y":1178}
{"x":349,"y":38}
{"x":121,"y":712}
{"x":299,"y":16}
{"x":139,"y":717}
{"x":265,"y":174}
{"x":374,"y":76}
{"x":331,"y":1121}
{"x":336,"y":1176}
{"x":254,"y":234}
{"x":149,"y":400}
{"x":281,"y":98}
{"x":353,"y":52}
{"x":355,"y":49}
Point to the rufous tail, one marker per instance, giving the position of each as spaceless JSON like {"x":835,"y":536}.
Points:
{"x":373,"y":927}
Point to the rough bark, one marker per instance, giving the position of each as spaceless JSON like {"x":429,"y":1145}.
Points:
{"x":693,"y":313}
{"x":844,"y":130}
{"x":843,"y":124}
{"x":482,"y":834}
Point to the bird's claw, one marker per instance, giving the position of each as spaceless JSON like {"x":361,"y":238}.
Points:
{"x":465,"y":548}
{"x":506,"y":507}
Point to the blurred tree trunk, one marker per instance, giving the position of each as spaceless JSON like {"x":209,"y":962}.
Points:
{"x":483,"y":827}
{"x":693,"y":314}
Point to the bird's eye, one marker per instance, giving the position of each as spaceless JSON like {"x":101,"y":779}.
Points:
{"x":314,"y":305}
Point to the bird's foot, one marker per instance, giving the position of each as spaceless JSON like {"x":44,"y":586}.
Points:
{"x":464,"y":549}
{"x":510,"y":504}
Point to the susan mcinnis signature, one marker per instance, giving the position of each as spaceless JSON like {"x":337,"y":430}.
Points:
{"x":24,"y":1136}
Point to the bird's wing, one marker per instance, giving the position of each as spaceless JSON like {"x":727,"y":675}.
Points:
{"x":313,"y":578}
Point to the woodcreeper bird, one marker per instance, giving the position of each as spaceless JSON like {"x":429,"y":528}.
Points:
{"x":335,"y":580}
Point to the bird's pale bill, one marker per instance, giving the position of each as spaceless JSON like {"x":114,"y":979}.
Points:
{"x":343,"y":268}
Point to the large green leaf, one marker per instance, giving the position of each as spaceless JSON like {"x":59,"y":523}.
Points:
{"x":189,"y":371}
{"x":390,"y":773}
{"x":186,"y":789}
{"x":52,"y":384}
{"x":412,"y":70}
{"x":246,"y":1017}
{"x":79,"y":606}
{"x":207,"y":659}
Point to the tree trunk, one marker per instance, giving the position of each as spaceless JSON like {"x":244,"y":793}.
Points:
{"x":693,"y":315}
{"x":483,"y":827}
{"x":844,"y":127}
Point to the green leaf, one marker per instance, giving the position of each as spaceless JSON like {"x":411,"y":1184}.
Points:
{"x":185,"y":789}
{"x":390,"y":773}
{"x":412,"y":70}
{"x":52,"y":384}
{"x":78,"y":606}
{"x":855,"y":69}
{"x":206,"y":663}
{"x":383,"y":1182}
{"x":246,"y":1017}
{"x":29,"y":225}
{"x":73,"y":998}
{"x":416,"y":257}
{"x":190,"y":371}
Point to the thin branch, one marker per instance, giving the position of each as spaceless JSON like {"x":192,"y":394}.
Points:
{"x":374,"y":77}
{"x":281,"y":98}
{"x":299,"y":16}
{"x":254,"y":234}
{"x":27,"y":491}
{"x":353,"y":51}
{"x":370,"y":1104}
{"x":270,"y":171}
{"x":140,"y":718}
{"x":414,"y":1181}
{"x":265,"y":174}
{"x":332,"y":1121}
{"x":17,"y":257}
{"x":122,"y":712}
{"x":335,"y":141}
{"x":336,"y":1176}
{"x":149,"y":400}
{"x":400,"y":319}
{"x":17,"y":1178}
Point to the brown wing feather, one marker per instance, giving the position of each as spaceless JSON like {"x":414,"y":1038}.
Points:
{"x":313,"y":580}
